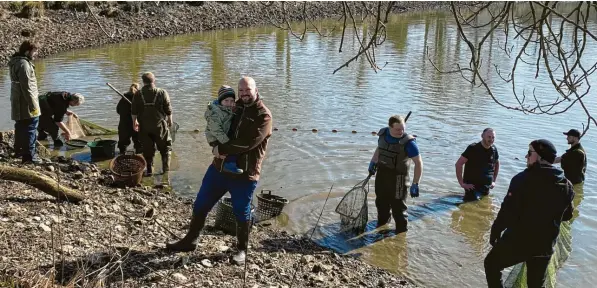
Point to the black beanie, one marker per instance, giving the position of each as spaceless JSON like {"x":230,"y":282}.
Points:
{"x":545,"y":149}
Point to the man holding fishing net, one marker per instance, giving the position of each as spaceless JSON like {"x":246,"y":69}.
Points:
{"x":391,"y":163}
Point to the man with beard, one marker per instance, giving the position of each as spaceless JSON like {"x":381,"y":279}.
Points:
{"x":538,"y":200}
{"x":574,"y":161}
{"x":481,"y":169}
{"x":251,"y":128}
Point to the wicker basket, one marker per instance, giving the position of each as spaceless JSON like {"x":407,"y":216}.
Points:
{"x":225,"y":219}
{"x":269,"y":206}
{"x":128,"y":169}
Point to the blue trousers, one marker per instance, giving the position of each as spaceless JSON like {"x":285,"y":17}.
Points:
{"x":25,"y":137}
{"x":215,"y":185}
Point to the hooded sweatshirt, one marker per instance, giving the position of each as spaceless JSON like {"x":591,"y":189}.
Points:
{"x":538,"y":200}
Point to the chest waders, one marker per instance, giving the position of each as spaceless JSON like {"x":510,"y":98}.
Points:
{"x":392,"y":180}
{"x":153,"y":131}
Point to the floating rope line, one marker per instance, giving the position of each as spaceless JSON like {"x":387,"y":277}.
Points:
{"x":314,"y":130}
{"x":335,"y":131}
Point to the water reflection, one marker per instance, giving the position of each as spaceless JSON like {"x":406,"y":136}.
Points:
{"x":473,"y":220}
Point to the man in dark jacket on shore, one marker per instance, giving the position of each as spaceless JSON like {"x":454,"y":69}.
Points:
{"x":54,"y":106}
{"x":252,"y":127}
{"x":538,"y":200}
{"x":24,"y":101}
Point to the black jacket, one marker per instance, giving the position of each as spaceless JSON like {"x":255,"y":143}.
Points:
{"x":538,"y":200}
{"x":54,"y":105}
{"x":124,"y":110}
{"x":574,"y":163}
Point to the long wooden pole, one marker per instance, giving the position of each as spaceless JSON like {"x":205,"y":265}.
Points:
{"x":121,"y":95}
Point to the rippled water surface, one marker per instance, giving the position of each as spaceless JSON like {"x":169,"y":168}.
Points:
{"x":446,"y":243}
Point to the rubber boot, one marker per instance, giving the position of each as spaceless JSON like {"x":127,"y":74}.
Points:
{"x":242,"y":235}
{"x":29,"y":159}
{"x":401,"y":224}
{"x":189,"y":242}
{"x":230,"y":167}
{"x":166,"y":162}
{"x":149,"y":171}
{"x":383,"y":219}
{"x":58,"y":143}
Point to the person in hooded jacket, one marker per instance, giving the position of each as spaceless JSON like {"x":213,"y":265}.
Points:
{"x":24,"y":101}
{"x":251,"y":129}
{"x":126,"y":130}
{"x":538,"y":200}
{"x":219,"y":115}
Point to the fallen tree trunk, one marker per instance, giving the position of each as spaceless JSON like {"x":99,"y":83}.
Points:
{"x":41,"y":182}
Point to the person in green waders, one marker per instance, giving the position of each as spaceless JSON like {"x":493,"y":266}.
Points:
{"x":152,"y":117}
{"x":391,"y":163}
{"x":539,"y":199}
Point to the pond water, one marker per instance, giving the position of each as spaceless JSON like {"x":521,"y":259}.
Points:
{"x":446,"y":242}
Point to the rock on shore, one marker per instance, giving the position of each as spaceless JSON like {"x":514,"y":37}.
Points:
{"x":116,"y":237}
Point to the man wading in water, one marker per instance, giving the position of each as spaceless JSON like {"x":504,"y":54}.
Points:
{"x":391,"y":162}
{"x":252,"y":127}
{"x":152,"y":115}
{"x":482,"y":167}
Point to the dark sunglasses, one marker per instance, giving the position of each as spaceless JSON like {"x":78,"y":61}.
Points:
{"x":530,"y":152}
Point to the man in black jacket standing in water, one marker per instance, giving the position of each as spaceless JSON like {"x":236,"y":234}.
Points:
{"x":538,"y":200}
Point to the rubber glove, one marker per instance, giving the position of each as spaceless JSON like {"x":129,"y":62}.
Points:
{"x":414,"y":190}
{"x":372,"y":168}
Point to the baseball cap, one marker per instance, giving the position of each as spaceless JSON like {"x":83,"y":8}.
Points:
{"x":573,"y":132}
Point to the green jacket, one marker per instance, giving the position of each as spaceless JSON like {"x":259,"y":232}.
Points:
{"x":218,"y":119}
{"x":23,"y":89}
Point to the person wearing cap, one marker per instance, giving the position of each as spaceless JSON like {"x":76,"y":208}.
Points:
{"x":219,"y":115}
{"x":152,"y":117}
{"x":574,"y":161}
{"x":538,"y":200}
{"x":481,"y":163}
{"x":391,"y":162}
{"x":54,"y":105}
